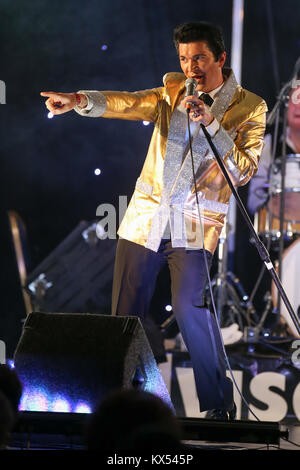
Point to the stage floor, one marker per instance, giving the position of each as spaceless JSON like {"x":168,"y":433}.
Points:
{"x":293,"y":443}
{"x":65,"y":431}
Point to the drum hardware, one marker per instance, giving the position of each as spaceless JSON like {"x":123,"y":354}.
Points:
{"x":232,"y":302}
{"x":234,"y":307}
{"x":268,"y":227}
{"x":262,"y":217}
{"x":281,"y":226}
{"x":274,"y":116}
{"x":290,"y":281}
{"x":267,"y":310}
{"x":291,"y":188}
{"x":261,"y":249}
{"x":282,"y":209}
{"x":251,"y":337}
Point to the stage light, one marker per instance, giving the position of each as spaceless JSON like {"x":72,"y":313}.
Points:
{"x":104,"y":47}
{"x":10,"y":363}
{"x":39,"y":399}
{"x":34,"y":400}
{"x":168,"y":308}
{"x":97,"y":171}
{"x":61,"y":405}
{"x":50,"y":115}
{"x":146,"y":123}
{"x":82,"y":408}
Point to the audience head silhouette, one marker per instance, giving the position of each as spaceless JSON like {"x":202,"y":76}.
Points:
{"x":11,"y":386}
{"x":10,"y":396}
{"x":132,"y":419}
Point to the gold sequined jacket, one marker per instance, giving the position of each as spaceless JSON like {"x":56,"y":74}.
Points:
{"x":164,"y":201}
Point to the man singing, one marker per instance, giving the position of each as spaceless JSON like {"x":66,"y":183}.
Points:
{"x":162,"y":223}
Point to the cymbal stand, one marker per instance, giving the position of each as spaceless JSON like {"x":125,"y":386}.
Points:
{"x":229,"y":290}
{"x":220,"y":278}
{"x":282,"y":101}
{"x":282,"y":204}
{"x":274,"y":116}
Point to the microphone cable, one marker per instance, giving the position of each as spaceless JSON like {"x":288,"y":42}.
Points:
{"x":208,"y":276}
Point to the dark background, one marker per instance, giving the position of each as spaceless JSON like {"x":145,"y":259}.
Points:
{"x":47,"y":165}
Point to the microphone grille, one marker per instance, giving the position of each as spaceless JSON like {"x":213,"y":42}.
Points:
{"x":190,"y":86}
{"x":191,"y":81}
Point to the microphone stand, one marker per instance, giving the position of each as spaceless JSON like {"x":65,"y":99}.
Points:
{"x":280,"y":99}
{"x":262,"y":251}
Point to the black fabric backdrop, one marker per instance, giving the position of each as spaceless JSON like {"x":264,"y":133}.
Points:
{"x":47,"y":166}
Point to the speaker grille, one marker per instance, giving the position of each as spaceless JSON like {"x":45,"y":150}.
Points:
{"x":79,"y":357}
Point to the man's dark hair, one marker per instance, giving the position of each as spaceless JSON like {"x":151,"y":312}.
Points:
{"x":200,"y":31}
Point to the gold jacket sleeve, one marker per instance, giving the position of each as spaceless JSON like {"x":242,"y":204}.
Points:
{"x":241,"y":141}
{"x":134,"y":106}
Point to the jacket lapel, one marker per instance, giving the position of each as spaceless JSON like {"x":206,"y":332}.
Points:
{"x":203,"y":156}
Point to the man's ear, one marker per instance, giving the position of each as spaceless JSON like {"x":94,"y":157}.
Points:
{"x":222,"y":59}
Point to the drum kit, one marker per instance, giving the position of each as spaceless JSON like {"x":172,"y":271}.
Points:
{"x":280,"y":214}
{"x":267,"y":225}
{"x":276,"y":236}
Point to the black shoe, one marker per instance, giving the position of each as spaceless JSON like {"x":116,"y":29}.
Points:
{"x":222,"y":415}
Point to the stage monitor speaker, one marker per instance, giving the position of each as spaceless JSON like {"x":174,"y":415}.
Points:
{"x":68,"y":361}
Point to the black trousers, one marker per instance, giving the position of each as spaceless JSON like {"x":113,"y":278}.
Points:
{"x":135,"y":273}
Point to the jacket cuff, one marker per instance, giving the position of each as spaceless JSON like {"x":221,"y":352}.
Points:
{"x":96,"y":104}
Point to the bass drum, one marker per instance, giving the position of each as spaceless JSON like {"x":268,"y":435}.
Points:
{"x":290,"y":276}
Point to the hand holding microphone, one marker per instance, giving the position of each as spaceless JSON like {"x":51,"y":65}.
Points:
{"x":197,"y":110}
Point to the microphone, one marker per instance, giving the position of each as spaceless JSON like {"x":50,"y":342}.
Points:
{"x":190,"y":88}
